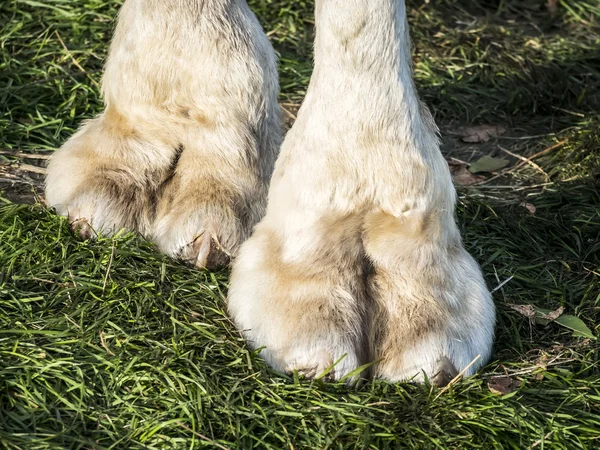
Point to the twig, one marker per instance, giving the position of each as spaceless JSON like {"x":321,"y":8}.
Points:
{"x":18,"y":154}
{"x":522,"y":163}
{"x":526,"y":138}
{"x":556,"y":361}
{"x":112,"y":254}
{"x":573,"y":113}
{"x":73,"y":322}
{"x":79,"y":66}
{"x":103,"y":342}
{"x":459,"y":161}
{"x":501,"y":285}
{"x":518,"y":187}
{"x":15,"y":180}
{"x":535,"y":444}
{"x":289,"y":113}
{"x":32,"y":169}
{"x":545,"y":366}
{"x":457,"y":377}
{"x":527,"y":161}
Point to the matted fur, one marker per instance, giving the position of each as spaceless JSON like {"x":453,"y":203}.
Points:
{"x":359,"y":258}
{"x":185,"y":148}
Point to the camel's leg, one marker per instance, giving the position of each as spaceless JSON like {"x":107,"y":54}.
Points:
{"x":192,"y":106}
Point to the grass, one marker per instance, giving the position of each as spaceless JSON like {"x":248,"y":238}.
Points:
{"x":109,"y":345}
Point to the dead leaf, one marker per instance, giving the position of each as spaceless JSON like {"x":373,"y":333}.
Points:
{"x":466,"y":178}
{"x":575,"y":324}
{"x":462,"y":176}
{"x":554,"y":314}
{"x":530,"y":207}
{"x":455,"y":165}
{"x":552,"y":6}
{"x":502,"y":385}
{"x":525,"y":310}
{"x":488,"y":164}
{"x":481,"y":133}
{"x":543,"y":316}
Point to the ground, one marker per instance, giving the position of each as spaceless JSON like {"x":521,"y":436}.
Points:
{"x":109,"y":345}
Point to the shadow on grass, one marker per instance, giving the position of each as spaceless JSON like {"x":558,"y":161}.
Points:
{"x":506,"y":61}
{"x":550,"y":257}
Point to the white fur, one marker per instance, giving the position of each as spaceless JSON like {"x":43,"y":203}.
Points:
{"x":359,"y":253}
{"x":187,"y":143}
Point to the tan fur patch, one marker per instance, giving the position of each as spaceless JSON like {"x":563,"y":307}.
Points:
{"x":117,"y":123}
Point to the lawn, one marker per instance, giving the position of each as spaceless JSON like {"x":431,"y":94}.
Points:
{"x":108,"y":344}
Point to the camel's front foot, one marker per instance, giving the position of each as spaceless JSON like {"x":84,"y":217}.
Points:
{"x":301,"y":299}
{"x":434,"y":317}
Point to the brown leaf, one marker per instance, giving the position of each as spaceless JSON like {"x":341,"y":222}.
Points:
{"x":525,"y":310}
{"x":502,"y":385}
{"x":530,"y":207}
{"x":481,"y":133}
{"x":554,"y":314}
{"x":462,"y":176}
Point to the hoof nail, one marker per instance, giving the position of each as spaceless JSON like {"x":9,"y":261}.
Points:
{"x":206,"y":253}
{"x":446,"y":373}
{"x":82,"y":228}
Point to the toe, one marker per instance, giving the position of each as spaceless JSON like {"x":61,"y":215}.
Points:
{"x":446,"y":373}
{"x":82,"y":228}
{"x":205,"y":252}
{"x":314,"y":367}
